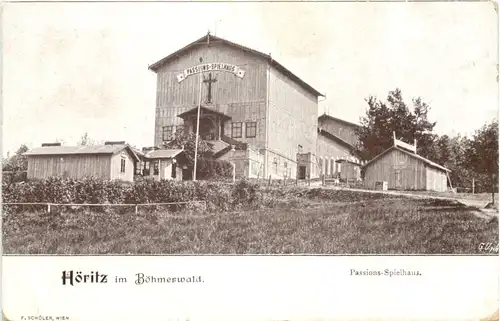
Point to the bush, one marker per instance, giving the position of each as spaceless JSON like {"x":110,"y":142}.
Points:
{"x":245,"y":193}
{"x":213,"y":169}
{"x":218,"y":196}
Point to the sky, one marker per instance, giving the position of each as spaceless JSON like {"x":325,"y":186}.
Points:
{"x":72,"y":68}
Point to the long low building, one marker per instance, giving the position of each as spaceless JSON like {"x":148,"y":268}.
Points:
{"x":111,"y":161}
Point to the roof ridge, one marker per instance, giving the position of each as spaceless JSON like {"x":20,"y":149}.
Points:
{"x":155,"y":66}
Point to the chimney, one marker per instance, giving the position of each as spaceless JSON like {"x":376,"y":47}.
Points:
{"x":114,"y":143}
{"x":415,"y":143}
{"x":50,"y":144}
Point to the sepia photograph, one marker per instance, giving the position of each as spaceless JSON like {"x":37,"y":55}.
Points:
{"x":262,"y":128}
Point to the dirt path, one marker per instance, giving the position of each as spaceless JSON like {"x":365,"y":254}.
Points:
{"x":479,"y":204}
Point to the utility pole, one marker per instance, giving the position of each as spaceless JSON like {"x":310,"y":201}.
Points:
{"x":198,"y":115}
{"x":197,"y":125}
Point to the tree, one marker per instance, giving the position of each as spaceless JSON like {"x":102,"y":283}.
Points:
{"x":85,"y":140}
{"x":393,"y":115}
{"x":483,"y":154}
{"x":17,"y":162}
{"x":188,"y":142}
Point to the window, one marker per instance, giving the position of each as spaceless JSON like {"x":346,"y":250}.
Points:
{"x":251,"y":129}
{"x":179,"y":130}
{"x":122,"y":165}
{"x":156,"y":169}
{"x":167,"y":133}
{"x":236,"y":130}
{"x":285,"y":165}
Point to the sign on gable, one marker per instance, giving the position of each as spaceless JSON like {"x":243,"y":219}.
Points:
{"x":216,"y":66}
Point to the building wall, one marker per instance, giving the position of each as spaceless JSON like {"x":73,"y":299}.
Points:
{"x":328,"y":151}
{"x":339,"y":129}
{"x":72,"y":166}
{"x":248,"y":163}
{"x":309,"y":161}
{"x":292,"y":119}
{"x":349,"y":171}
{"x":399,"y":170}
{"x":243,"y":99}
{"x":116,"y":173}
{"x":164,"y":169}
{"x":436,"y":180}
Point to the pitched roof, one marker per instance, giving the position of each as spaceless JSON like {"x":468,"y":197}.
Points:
{"x":210,"y":38}
{"x":80,"y":150}
{"x":203,"y":110}
{"x":423,"y":159}
{"x":333,"y":137}
{"x":348,"y":123}
{"x":347,"y":161}
{"x":164,"y":153}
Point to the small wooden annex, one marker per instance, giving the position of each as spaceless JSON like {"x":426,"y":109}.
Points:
{"x":405,"y":170}
{"x":348,"y":170}
{"x":163,"y":164}
{"x":110,"y":161}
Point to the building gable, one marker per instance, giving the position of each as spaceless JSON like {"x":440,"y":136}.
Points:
{"x":210,"y":39}
{"x":340,"y":128}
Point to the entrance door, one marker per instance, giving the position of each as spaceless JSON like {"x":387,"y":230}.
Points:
{"x":187,"y":174}
{"x":398,"y":180}
{"x":208,"y":129}
{"x":174,"y":171}
{"x":302,"y":172}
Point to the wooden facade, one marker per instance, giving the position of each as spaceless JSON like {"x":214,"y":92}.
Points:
{"x":403,"y":170}
{"x":162,"y":164}
{"x":340,"y":128}
{"x":269,"y":109}
{"x":331,"y":149}
{"x":107,"y":166}
{"x":349,"y":171}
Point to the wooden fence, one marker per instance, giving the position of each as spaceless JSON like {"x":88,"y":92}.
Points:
{"x":50,"y":206}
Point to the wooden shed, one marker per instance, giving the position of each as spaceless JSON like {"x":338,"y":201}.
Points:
{"x":349,"y":170}
{"x":405,"y":170}
{"x":163,"y":164}
{"x":109,"y":161}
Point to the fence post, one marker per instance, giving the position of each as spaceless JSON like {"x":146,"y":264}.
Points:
{"x":136,"y":209}
{"x":48,"y":207}
{"x":473,"y":186}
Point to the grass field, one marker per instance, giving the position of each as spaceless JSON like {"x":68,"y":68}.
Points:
{"x":315,"y":225}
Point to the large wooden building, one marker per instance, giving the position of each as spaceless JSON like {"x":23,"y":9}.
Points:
{"x":254,"y":111}
{"x":403,"y":169}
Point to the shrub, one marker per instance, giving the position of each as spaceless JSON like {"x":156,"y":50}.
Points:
{"x":245,"y":193}
{"x":218,"y":196}
{"x":213,"y":169}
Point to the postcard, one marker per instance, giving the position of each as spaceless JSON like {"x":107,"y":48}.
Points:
{"x":250,"y":161}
